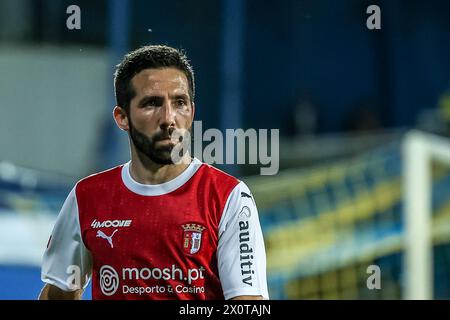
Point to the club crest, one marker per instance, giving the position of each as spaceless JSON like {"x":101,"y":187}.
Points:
{"x":192,"y":237}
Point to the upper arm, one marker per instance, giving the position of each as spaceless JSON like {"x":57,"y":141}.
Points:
{"x":241,"y":252}
{"x":67,"y":262}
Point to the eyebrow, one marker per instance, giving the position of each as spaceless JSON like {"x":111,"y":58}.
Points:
{"x":149,"y":98}
{"x":181,"y":96}
{"x":146,"y":99}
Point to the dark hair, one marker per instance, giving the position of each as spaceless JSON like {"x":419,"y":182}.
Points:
{"x":148,"y":57}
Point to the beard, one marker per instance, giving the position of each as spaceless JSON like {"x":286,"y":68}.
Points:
{"x":146,"y":146}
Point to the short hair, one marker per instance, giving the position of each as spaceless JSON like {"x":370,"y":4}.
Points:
{"x":149,"y":57}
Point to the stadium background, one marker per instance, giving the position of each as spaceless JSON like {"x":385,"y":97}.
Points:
{"x":342,"y":96}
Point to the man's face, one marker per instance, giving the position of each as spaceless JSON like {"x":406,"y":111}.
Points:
{"x":161,"y":105}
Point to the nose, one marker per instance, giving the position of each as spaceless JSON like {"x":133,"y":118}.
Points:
{"x":167,"y":116}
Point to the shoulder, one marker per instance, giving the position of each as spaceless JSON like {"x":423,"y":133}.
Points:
{"x":214,"y":185}
{"x":100,"y":180}
{"x":215,"y":180}
{"x":216,"y":175}
{"x":223,"y":180}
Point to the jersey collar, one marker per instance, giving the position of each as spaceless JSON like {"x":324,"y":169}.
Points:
{"x":159,"y":189}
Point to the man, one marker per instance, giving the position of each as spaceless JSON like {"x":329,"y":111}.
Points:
{"x":154,"y":228}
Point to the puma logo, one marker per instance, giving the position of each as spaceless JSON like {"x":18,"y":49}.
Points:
{"x":101,"y":234}
{"x":246,"y":195}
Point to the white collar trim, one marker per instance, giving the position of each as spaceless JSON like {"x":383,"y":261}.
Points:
{"x":159,"y":189}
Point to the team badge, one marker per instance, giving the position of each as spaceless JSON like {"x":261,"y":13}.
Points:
{"x":192,"y":237}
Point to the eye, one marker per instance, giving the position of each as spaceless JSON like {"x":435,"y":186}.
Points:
{"x":151,"y":103}
{"x":180,"y":103}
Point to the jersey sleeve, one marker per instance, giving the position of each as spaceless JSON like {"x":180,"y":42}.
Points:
{"x":241,"y":252}
{"x":67,"y":263}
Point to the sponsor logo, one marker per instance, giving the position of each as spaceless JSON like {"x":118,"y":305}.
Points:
{"x":192,"y":237}
{"x":109,"y":280}
{"x":110,"y":224}
{"x":245,"y":250}
{"x":246,"y":195}
{"x":172,"y":273}
{"x":101,"y":234}
{"x":245,"y":212}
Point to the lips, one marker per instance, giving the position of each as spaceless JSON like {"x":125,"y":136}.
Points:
{"x":166,"y":141}
{"x":166,"y":137}
{"x":170,"y":138}
{"x":162,"y":137}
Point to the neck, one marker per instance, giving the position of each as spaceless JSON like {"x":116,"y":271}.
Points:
{"x":145,"y":171}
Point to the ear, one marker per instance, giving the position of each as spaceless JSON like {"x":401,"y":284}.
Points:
{"x":121,"y":118}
